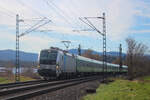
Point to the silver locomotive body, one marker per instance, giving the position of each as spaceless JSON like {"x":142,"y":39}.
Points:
{"x":56,"y":63}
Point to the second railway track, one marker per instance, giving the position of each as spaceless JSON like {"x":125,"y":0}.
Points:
{"x":24,"y":92}
{"x":12,"y":85}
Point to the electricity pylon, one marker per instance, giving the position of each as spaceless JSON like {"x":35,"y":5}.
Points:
{"x":31,"y":29}
{"x":17,"y":63}
{"x":120,"y":57}
{"x":103,"y":33}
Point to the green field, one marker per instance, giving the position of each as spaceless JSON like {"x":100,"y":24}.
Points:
{"x":4,"y":80}
{"x":123,"y":90}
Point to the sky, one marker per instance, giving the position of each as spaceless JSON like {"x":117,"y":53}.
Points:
{"x":124,"y":18}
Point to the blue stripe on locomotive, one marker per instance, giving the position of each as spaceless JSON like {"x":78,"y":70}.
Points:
{"x":64,"y":63}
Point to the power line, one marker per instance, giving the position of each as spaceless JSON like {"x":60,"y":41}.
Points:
{"x":12,"y":13}
{"x":9,"y":15}
{"x":76,"y":22}
{"x":58,"y":13}
{"x":31,"y":8}
{"x":36,"y":24}
{"x":62,"y":12}
{"x":103,"y":33}
{"x":34,"y":19}
{"x":8,"y":12}
{"x":34,"y":27}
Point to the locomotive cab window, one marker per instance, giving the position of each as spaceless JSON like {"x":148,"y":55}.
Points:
{"x":48,"y":57}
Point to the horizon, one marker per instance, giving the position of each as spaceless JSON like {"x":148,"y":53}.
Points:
{"x":69,"y":49}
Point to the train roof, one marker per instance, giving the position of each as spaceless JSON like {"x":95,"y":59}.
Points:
{"x":84,"y":58}
{"x":124,"y":66}
{"x":88,"y":59}
{"x":95,"y":61}
{"x":99,"y":62}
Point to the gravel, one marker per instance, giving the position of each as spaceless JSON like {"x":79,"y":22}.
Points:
{"x":70,"y":93}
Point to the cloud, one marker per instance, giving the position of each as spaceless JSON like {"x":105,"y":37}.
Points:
{"x":65,"y":30}
{"x":36,"y":43}
{"x":27,"y":42}
{"x":65,"y":13}
{"x":120,"y":18}
{"x":120,"y":14}
{"x":139,"y":31}
{"x":142,"y":8}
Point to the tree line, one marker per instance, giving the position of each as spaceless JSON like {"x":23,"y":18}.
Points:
{"x":136,"y":58}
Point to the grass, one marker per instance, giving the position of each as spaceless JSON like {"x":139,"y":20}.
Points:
{"x":123,"y":90}
{"x":24,"y":78}
{"x":4,"y":80}
{"x":146,"y":78}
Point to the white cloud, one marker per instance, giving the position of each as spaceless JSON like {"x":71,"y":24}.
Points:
{"x":119,"y":13}
{"x":142,"y":8}
{"x":27,"y":43}
{"x":120,"y":17}
{"x":36,"y":43}
{"x":139,"y":31}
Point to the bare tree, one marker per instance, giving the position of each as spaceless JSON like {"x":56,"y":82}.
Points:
{"x":116,"y":61}
{"x":136,"y":58}
{"x":89,"y":54}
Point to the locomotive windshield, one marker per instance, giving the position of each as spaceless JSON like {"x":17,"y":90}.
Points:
{"x":48,"y":57}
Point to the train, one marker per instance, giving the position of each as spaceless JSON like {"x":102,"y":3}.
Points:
{"x":57,"y":63}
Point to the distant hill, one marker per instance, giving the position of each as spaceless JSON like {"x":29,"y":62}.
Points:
{"x":112,"y":53}
{"x":10,"y":55}
{"x":111,"y":56}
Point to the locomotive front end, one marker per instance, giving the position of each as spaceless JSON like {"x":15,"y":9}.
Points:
{"x":48,"y":63}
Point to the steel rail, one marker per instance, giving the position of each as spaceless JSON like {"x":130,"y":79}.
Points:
{"x":11,"y":85}
{"x":25,"y":92}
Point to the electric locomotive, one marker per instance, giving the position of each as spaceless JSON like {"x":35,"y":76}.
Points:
{"x":56,"y":63}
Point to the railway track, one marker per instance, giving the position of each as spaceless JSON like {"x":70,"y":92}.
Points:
{"x":12,"y":85}
{"x":24,"y":92}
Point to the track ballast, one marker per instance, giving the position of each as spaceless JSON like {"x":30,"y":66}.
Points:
{"x":24,"y":92}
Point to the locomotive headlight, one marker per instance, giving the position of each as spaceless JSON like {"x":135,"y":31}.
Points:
{"x":57,"y":67}
{"x":38,"y":66}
